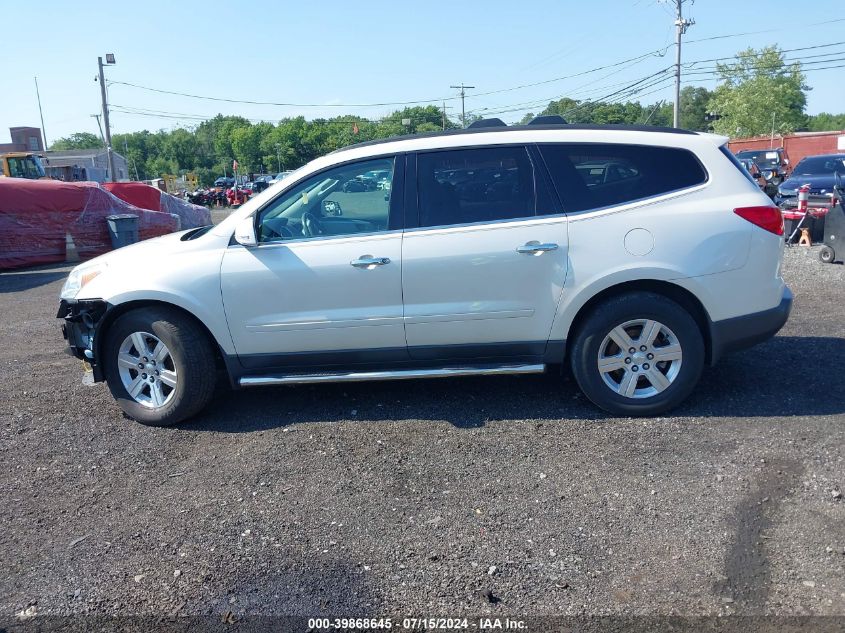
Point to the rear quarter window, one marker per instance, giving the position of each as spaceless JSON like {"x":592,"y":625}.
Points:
{"x":736,"y":163}
{"x":596,"y":175}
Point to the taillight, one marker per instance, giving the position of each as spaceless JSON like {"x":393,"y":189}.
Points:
{"x":768,"y":218}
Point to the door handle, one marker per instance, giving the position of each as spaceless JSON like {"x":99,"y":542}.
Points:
{"x":535,"y":248}
{"x":367,"y":261}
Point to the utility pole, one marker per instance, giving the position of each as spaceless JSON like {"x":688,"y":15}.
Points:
{"x":680,"y":28}
{"x":463,"y":108}
{"x":110,"y":61}
{"x":444,"y":115}
{"x":40,"y":112}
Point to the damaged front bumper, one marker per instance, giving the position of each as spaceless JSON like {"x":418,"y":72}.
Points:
{"x":81,"y":322}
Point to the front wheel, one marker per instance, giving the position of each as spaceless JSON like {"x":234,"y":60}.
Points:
{"x":159,"y":365}
{"x":638,"y":354}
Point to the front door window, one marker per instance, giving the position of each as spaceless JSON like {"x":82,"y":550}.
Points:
{"x":346,"y":200}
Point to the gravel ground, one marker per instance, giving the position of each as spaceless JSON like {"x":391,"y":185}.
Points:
{"x":499,"y":496}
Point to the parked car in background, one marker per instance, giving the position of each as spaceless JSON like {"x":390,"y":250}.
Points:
{"x":224,"y":182}
{"x":752,"y":168}
{"x":817,"y":171}
{"x":634,"y":284}
{"x":258,"y":185}
{"x":773,"y":163}
{"x":354,"y":185}
{"x":281,"y":176}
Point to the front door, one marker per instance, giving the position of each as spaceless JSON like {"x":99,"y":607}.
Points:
{"x":484,"y":270}
{"x":324,"y":284}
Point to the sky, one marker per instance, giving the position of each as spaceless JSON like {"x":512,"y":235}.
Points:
{"x":330,"y":57}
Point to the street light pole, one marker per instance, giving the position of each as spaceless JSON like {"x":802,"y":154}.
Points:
{"x":41,"y":113}
{"x":109,"y":152}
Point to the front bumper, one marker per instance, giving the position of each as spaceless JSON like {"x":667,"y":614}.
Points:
{"x":81,"y":322}
{"x":745,"y":331}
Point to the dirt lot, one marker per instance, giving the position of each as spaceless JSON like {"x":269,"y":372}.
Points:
{"x":502,"y":496}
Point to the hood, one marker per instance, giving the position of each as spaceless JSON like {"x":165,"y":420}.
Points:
{"x":154,"y":266}
{"x":156,"y":246}
{"x":819,"y":183}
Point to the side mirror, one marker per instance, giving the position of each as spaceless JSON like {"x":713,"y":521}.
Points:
{"x":245,"y":232}
{"x":331,"y":208}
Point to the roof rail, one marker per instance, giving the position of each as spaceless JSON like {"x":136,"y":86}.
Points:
{"x":548,"y":119}
{"x":487,"y":123}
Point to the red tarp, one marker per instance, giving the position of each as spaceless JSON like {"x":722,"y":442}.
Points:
{"x":137,"y":193}
{"x":36,"y":216}
{"x":147,"y":197}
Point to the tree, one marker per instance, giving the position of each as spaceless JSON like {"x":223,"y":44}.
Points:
{"x":79,"y":140}
{"x":760,"y":91}
{"x":246,"y":145}
{"x":180,"y":147}
{"x":824,"y":122}
{"x":694,"y":100}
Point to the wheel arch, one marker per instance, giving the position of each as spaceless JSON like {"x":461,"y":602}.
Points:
{"x":680,"y":295}
{"x":118,"y":310}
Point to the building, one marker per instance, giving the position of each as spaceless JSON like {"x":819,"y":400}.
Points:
{"x":24,"y":139}
{"x":797,"y":145}
{"x":84,"y":164}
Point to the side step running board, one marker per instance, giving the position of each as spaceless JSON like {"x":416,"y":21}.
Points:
{"x":399,"y":374}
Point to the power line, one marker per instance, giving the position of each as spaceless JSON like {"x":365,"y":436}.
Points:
{"x":164,"y":114}
{"x":694,"y":71}
{"x":784,"y":50}
{"x":729,"y":35}
{"x":277,"y":103}
{"x":619,"y":66}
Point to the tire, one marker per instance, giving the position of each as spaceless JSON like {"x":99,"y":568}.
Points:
{"x":183,"y":381}
{"x":678,"y":339}
{"x":827,"y":255}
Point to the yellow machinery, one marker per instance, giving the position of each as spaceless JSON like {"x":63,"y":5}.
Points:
{"x":22,"y":165}
{"x":173,"y":184}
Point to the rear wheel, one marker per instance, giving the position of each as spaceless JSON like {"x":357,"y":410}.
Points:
{"x":638,"y":354}
{"x":159,"y":365}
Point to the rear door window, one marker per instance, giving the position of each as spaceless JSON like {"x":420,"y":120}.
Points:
{"x":593,"y":176}
{"x":486,"y":184}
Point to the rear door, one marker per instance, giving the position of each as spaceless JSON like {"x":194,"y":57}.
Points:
{"x":484,"y":256}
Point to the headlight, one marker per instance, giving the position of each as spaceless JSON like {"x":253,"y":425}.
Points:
{"x":768,"y":174}
{"x":78,"y":278}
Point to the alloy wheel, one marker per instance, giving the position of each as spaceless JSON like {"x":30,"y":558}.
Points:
{"x":146,"y":369}
{"x":640,"y":358}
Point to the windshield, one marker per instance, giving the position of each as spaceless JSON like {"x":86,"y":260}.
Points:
{"x":821,"y":165}
{"x":25,"y":167}
{"x":764,"y":158}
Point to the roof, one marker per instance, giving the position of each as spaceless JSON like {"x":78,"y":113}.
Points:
{"x":80,"y":153}
{"x":70,"y":157}
{"x":519,"y":128}
{"x":830,"y":155}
